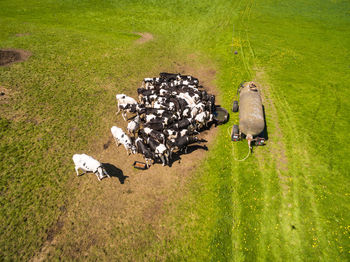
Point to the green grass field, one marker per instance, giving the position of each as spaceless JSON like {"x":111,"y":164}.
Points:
{"x":288,"y":202}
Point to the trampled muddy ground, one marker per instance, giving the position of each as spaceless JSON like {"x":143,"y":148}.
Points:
{"x":125,"y":209}
{"x":9,"y":56}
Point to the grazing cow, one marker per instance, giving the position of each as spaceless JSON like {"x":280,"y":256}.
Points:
{"x":211,"y":103}
{"x":186,"y":132}
{"x":134,"y":125}
{"x":161,"y":120}
{"x":171,"y":106}
{"x":182,"y":124}
{"x":121,"y":138}
{"x":181,"y":143}
{"x":159,"y":105}
{"x":149,"y":117}
{"x":192,"y":80}
{"x":159,"y":149}
{"x":203,"y":119}
{"x":189,"y":100}
{"x":168,"y":76}
{"x":171,"y":133}
{"x":164,"y":92}
{"x":198,"y":108}
{"x":130,"y":108}
{"x":176,"y":104}
{"x":152,"y":80}
{"x":147,"y":154}
{"x":155,"y":126}
{"x":89,"y":164}
{"x":160,"y":137}
{"x":187,"y":112}
{"x":124,"y":100}
{"x":143,"y":95}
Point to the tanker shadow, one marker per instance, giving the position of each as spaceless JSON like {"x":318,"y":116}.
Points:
{"x":113,"y":171}
{"x":264,"y":133}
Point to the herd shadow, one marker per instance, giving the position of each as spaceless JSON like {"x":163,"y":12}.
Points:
{"x":113,"y":171}
{"x":176,"y":156}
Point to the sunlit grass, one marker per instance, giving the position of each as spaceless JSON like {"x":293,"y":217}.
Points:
{"x":83,"y":53}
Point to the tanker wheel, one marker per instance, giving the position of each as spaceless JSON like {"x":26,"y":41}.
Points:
{"x":235,"y":106}
{"x":235,"y":136}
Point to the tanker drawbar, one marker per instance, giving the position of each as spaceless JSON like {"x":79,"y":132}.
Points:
{"x":251,"y":115}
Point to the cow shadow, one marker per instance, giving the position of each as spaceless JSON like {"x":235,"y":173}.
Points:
{"x":193,"y":148}
{"x":176,"y":156}
{"x":113,"y":171}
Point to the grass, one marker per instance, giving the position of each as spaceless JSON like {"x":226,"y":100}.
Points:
{"x":289,"y":201}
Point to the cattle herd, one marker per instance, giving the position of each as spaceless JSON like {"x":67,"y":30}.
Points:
{"x":171,"y":110}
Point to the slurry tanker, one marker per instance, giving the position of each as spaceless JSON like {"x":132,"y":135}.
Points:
{"x":251,"y":115}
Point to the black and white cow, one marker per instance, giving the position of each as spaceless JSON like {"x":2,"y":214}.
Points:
{"x":160,"y":150}
{"x":159,"y":136}
{"x":181,"y":143}
{"x":89,"y":164}
{"x":145,"y":151}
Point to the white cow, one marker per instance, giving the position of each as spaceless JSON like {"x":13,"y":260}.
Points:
{"x":121,"y":138}
{"x":124,"y":100}
{"x":162,"y":152}
{"x":89,"y":164}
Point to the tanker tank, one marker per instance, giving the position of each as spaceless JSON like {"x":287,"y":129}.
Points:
{"x":251,"y":116}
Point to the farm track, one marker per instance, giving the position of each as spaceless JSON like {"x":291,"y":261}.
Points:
{"x":291,"y":185}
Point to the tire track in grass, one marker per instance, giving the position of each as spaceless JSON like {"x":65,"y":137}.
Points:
{"x":300,"y":233}
{"x":296,"y":184}
{"x":221,"y":243}
{"x":275,"y":180}
{"x":236,"y":239}
{"x":276,"y":151}
{"x":295,"y":178}
{"x":248,"y":180}
{"x":332,"y":128}
{"x":242,"y":23}
{"x":304,"y":200}
{"x":319,"y":240}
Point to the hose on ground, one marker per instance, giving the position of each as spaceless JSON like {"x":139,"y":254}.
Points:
{"x":249,"y":149}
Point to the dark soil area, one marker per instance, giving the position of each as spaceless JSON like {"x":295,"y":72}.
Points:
{"x":9,"y":56}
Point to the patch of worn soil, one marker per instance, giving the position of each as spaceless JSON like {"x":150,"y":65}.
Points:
{"x":4,"y":94}
{"x":122,"y":214}
{"x":9,"y":56}
{"x":145,"y":37}
{"x":22,"y":34}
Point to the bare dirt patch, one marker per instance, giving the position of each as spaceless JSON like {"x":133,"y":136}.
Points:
{"x":145,"y":37}
{"x":9,"y":56}
{"x":4,"y":94}
{"x":121,"y":215}
{"x":22,"y":34}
